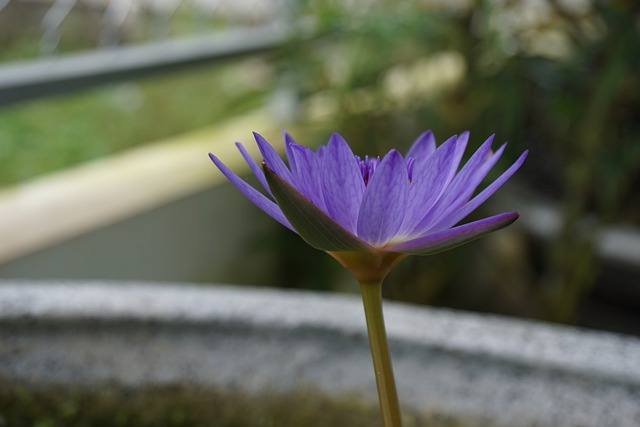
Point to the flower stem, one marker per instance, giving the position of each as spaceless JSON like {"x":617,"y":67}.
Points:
{"x":389,"y":406}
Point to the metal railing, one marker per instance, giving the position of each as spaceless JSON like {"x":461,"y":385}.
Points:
{"x":112,"y":60}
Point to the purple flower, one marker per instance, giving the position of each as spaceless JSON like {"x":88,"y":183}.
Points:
{"x":370,"y":212}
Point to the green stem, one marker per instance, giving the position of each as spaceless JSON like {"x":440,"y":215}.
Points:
{"x":389,"y":406}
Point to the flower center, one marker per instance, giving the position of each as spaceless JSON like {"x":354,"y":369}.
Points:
{"x":368,"y":166}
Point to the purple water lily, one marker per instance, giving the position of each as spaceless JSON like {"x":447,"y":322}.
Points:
{"x":370,"y":212}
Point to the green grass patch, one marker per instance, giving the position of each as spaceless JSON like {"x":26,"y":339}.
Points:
{"x":181,"y":406}
{"x":55,"y":133}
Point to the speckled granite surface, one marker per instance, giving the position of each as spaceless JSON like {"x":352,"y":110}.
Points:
{"x":515,"y":372}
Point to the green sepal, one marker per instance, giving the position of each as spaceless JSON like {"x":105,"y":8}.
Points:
{"x":312,"y":224}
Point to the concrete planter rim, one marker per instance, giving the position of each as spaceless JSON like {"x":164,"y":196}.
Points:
{"x":512,"y":371}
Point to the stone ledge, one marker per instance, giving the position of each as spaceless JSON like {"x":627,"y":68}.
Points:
{"x":516,"y":372}
{"x":63,"y":205}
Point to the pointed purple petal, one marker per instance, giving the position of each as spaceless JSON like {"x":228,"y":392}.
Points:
{"x":476,"y":178}
{"x":308,"y":174}
{"x":259,"y":199}
{"x":384,"y":201}
{"x":342,"y":183}
{"x":448,"y":239}
{"x":461,"y":145}
{"x":423,"y":146}
{"x":463,"y":179}
{"x":458,"y":186}
{"x":272,"y":159}
{"x":257,"y":171}
{"x":288,"y":143}
{"x":429,"y":179}
{"x":312,"y":224}
{"x":472,"y":205}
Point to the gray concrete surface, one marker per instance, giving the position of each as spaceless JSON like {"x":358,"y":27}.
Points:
{"x":513,"y":372}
